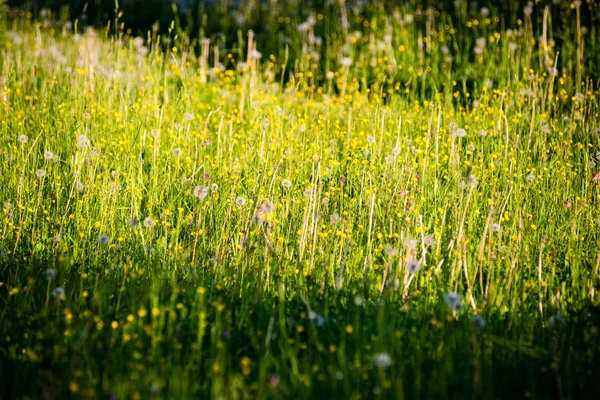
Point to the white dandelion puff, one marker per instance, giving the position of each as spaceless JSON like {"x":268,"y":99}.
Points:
{"x":460,"y":133}
{"x":240,"y":201}
{"x":59,"y":293}
{"x":413,"y":266}
{"x":453,"y":300}
{"x":149,"y":222}
{"x":103,"y":239}
{"x":390,"y":251}
{"x":83,"y":141}
{"x":334,"y":218}
{"x":410,"y":243}
{"x":201,"y":192}
{"x":382,"y":360}
{"x":50,"y":274}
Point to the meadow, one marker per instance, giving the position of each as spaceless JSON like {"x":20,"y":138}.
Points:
{"x":366,"y":201}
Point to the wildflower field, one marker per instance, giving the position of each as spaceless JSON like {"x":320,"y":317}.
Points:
{"x":364,"y":200}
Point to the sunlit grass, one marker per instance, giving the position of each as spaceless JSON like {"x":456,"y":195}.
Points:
{"x":402,"y":211}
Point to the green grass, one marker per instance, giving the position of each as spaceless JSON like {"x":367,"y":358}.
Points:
{"x":178,"y":226}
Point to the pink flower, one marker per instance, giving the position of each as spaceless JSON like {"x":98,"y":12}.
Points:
{"x":596,"y":177}
{"x":274,"y":380}
{"x":568,"y":204}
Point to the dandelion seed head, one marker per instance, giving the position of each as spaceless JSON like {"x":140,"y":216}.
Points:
{"x":23,"y":139}
{"x":479,"y":321}
{"x":345,"y":61}
{"x":556,"y":320}
{"x":413,"y":266}
{"x":410,"y":243}
{"x":149,"y":222}
{"x":316,"y":318}
{"x":530,"y":178}
{"x":48,"y":155}
{"x":177,"y":152}
{"x":495,"y":227}
{"x":460,"y":133}
{"x":50,"y":274}
{"x":286,"y":183}
{"x":103,"y":239}
{"x":83,"y":141}
{"x":334,"y":218}
{"x":429,"y":240}
{"x":59,"y":293}
{"x":201,"y":192}
{"x":267,"y":207}
{"x":240,"y":201}
{"x":382,"y":360}
{"x":390,"y":251}
{"x":453,"y":300}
